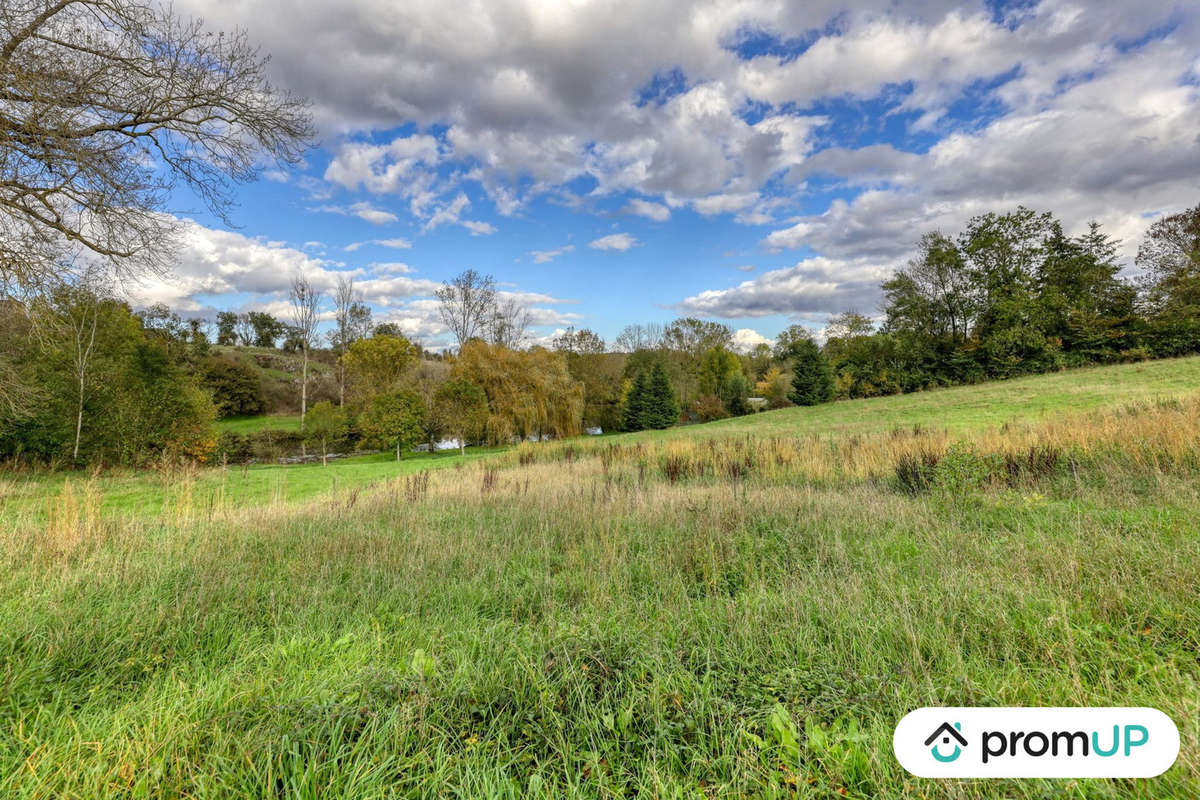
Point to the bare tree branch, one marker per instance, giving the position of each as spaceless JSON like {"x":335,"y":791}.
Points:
{"x":305,"y":300}
{"x":466,"y":304}
{"x":509,"y":324}
{"x":106,"y":107}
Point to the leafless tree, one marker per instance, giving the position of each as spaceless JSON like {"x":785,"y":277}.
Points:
{"x":106,"y":106}
{"x":640,"y":337}
{"x":509,"y":324}
{"x":305,"y":300}
{"x":466,"y":304}
{"x":343,"y":302}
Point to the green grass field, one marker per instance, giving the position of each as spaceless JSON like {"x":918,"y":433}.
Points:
{"x":963,"y":409}
{"x":595,"y":623}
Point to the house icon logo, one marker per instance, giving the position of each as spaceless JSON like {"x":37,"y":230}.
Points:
{"x":946,"y":732}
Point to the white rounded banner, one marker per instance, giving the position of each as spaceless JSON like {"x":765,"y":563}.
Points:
{"x":1036,"y":742}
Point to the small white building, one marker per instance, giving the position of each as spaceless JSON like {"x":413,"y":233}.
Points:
{"x":444,"y":444}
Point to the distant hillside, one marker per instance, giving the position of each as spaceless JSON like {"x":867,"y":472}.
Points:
{"x":279,"y":372}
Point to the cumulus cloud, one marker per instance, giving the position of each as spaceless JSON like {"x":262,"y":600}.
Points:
{"x":813,"y":286}
{"x":546,"y":256}
{"x":723,"y":203}
{"x":644,"y":208}
{"x":451,"y":214}
{"x":615,"y":241}
{"x":221,"y":268}
{"x":1086,"y":109}
{"x":1111,"y":149}
{"x":508,"y":94}
{"x":746,"y":339}
{"x":212,"y":262}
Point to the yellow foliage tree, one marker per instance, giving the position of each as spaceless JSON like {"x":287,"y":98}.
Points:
{"x":530,"y":392}
{"x":375,"y":366}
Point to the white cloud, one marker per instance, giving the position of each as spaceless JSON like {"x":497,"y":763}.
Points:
{"x":219,"y":262}
{"x":615,"y":241}
{"x":375,"y":216}
{"x":724,"y":203}
{"x":478,"y":228}
{"x":451,"y":214}
{"x":363,"y":210}
{"x":816,"y":285}
{"x":1140,"y":117}
{"x":546,"y":256}
{"x":746,"y":339}
{"x":1086,"y":109}
{"x":397,"y":244}
{"x":229,"y":269}
{"x":508,"y":95}
{"x":644,"y":208}
{"x":391,"y":268}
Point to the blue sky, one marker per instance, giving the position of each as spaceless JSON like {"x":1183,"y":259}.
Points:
{"x":758,"y":163}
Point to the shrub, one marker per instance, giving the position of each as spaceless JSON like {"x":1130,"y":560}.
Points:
{"x":710,"y":407}
{"x":915,"y":471}
{"x":961,"y":469}
{"x":236,"y":388}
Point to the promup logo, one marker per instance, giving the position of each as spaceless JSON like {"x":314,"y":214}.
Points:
{"x":946,"y":732}
{"x":1036,"y":742}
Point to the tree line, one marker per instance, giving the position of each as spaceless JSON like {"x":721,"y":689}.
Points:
{"x":1011,"y":294}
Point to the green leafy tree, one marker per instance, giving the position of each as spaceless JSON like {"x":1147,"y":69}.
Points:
{"x":660,"y":408}
{"x":326,"y":423}
{"x":462,"y":408}
{"x":598,"y":371}
{"x":267,"y":329}
{"x":394,"y":419}
{"x":236,"y":388}
{"x":388,"y":329}
{"x":812,"y":378}
{"x":734,"y":394}
{"x":721,"y":376}
{"x":1170,"y":259}
{"x":198,"y":337}
{"x":227,"y":323}
{"x":633,"y":414}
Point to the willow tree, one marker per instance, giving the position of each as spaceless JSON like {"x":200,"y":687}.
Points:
{"x":530,"y":393}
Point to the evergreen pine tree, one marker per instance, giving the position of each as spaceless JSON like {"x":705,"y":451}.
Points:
{"x":661,"y":409}
{"x":635,"y":404}
{"x":812,"y":378}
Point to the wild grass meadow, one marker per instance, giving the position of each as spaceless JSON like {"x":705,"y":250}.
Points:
{"x":733,"y":610}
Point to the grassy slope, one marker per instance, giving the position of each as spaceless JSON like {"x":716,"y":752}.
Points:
{"x":960,"y":409}
{"x":963,"y":409}
{"x":573,"y":629}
